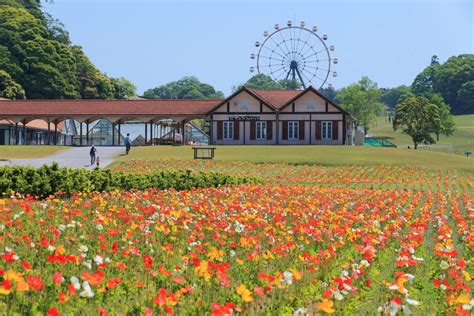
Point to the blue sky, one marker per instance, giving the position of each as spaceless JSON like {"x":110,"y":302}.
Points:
{"x":154,"y":42}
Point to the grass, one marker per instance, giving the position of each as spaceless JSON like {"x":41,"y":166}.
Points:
{"x":462,"y":140}
{"x":25,"y":152}
{"x":323,"y":155}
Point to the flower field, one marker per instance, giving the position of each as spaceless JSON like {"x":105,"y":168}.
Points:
{"x":355,"y":240}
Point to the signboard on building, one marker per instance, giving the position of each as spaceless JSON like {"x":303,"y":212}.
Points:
{"x":244,"y":118}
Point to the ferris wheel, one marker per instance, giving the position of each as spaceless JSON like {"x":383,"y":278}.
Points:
{"x":295,"y":53}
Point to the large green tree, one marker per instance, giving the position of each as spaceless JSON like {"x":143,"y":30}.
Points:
{"x":417,"y":117}
{"x":36,"y":52}
{"x":448,"y":80}
{"x":465,"y":97}
{"x":329,"y":92}
{"x":185,"y":88}
{"x":123,"y":89}
{"x":362,"y":99}
{"x":446,"y":124}
{"x":390,"y":96}
{"x":264,"y":82}
{"x":9,"y":88}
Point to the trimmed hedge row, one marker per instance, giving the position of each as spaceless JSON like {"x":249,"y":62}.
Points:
{"x":53,"y":179}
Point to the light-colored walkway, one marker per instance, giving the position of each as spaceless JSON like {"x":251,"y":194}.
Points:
{"x":77,"y":157}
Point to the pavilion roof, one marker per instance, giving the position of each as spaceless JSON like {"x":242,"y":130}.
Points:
{"x":106,"y":107}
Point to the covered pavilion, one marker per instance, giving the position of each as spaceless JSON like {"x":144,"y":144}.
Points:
{"x":117,"y":112}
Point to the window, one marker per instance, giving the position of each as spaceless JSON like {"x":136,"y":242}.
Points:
{"x":228,"y":130}
{"x":293,"y":129}
{"x":261,"y":130}
{"x":327,"y":130}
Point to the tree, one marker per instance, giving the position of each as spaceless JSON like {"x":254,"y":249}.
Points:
{"x":361,"y":99}
{"x":329,"y":93}
{"x":391,"y":96}
{"x":35,"y":51}
{"x":9,"y":88}
{"x":290,"y":84}
{"x":465,"y":97}
{"x":447,"y":79}
{"x":417,"y":117}
{"x":185,"y":88}
{"x":261,"y":82}
{"x":123,"y":89}
{"x":446,"y":124}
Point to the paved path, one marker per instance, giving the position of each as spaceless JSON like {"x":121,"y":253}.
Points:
{"x":77,"y":157}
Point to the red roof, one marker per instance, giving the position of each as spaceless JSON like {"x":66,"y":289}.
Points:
{"x":277,"y":98}
{"x":35,"y":124}
{"x":106,"y":107}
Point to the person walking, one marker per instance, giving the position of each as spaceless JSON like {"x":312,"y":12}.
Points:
{"x":127,"y":144}
{"x":92,"y":153}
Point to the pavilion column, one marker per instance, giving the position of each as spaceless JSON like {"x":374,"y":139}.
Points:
{"x":9,"y":134}
{"x":80,"y":135}
{"x":174,"y":133}
{"x":24,"y":132}
{"x":49,"y":132}
{"x":183,"y":139}
{"x":119,"y":133}
{"x":146,"y":133}
{"x":113,"y":134}
{"x":55,"y":132}
{"x":16,"y":133}
{"x":211,"y":131}
{"x":87,"y":133}
{"x":151,"y":132}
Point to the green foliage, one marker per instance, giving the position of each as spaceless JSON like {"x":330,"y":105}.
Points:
{"x":391,"y":96}
{"x":185,"y":88}
{"x":35,"y":51}
{"x":418,"y":118}
{"x":446,"y":125}
{"x":362,"y":99}
{"x":329,"y":92}
{"x":261,"y":82}
{"x":123,"y":89}
{"x":290,"y":84}
{"x":465,"y":97}
{"x":49,"y":180}
{"x":9,"y":88}
{"x":450,"y":79}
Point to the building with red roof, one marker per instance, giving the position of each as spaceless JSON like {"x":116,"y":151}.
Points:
{"x":247,"y":117}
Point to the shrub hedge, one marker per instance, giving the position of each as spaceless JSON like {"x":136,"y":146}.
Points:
{"x":53,"y":179}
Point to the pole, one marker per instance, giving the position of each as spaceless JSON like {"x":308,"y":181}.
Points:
{"x":80,"y":135}
{"x":113,"y":134}
{"x":184,"y":133}
{"x":87,"y":133}
{"x":55,"y":133}
{"x":119,"y":133}
{"x":49,"y":132}
{"x":16,"y":134}
{"x":151,"y":132}
{"x":146,"y":133}
{"x":24,"y":132}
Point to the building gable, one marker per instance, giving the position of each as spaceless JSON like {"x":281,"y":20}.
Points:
{"x":243,"y":101}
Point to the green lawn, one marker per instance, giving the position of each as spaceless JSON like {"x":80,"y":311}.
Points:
{"x":325,"y":155}
{"x":462,"y":140}
{"x":19,"y":152}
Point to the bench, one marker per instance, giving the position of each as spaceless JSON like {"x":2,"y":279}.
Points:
{"x":204,"y":152}
{"x":467,"y":154}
